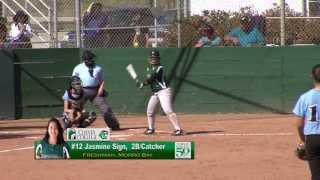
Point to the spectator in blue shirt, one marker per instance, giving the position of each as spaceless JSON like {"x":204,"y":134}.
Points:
{"x":94,"y":20}
{"x":209,"y":38}
{"x":246,"y":35}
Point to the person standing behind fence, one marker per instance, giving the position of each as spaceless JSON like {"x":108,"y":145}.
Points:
{"x":307,"y":111}
{"x":92,"y":76}
{"x":246,"y":35}
{"x":141,"y":35}
{"x":20,"y":32}
{"x":93,"y":20}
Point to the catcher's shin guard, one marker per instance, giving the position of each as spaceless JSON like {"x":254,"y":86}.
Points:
{"x":90,"y":117}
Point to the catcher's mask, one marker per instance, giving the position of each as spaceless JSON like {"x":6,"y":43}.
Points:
{"x":88,"y":58}
{"x":76,"y":84}
{"x":154,"y":57}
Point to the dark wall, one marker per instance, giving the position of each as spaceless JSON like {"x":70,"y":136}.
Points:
{"x":43,"y":76}
{"x":7,"y":95}
{"x":207,"y":80}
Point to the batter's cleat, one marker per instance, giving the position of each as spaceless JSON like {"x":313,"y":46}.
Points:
{"x":149,"y":131}
{"x":178,"y":132}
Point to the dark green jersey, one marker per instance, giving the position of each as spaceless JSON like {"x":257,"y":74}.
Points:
{"x":45,"y":150}
{"x":156,"y":77}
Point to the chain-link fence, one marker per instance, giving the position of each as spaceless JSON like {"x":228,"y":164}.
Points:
{"x":158,"y":23}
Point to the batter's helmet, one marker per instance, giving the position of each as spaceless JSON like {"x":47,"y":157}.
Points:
{"x":154,"y":57}
{"x":154,"y":53}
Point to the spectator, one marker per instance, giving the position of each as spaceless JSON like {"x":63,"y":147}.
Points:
{"x":52,"y":146}
{"x":3,"y":36}
{"x":246,"y":35}
{"x":141,"y":35}
{"x":20,"y":33}
{"x":208,"y":38}
{"x":94,"y":20}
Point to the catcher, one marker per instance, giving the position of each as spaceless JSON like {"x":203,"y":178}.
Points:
{"x":307,"y":111}
{"x":74,"y":113}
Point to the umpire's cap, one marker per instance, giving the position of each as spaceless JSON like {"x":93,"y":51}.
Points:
{"x":88,"y":55}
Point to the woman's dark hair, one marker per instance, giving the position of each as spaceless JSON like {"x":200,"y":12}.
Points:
{"x":60,"y":139}
{"x":22,"y":15}
{"x":316,"y":73}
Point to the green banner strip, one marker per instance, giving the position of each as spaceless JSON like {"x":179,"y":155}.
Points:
{"x":131,"y":150}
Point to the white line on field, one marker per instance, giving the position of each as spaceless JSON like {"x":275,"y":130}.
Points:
{"x":16,"y":149}
{"x":19,"y":132}
{"x":120,"y":135}
{"x":251,"y":134}
{"x":33,"y":137}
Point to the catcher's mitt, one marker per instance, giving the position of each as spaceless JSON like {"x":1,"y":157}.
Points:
{"x":74,"y":116}
{"x":301,"y":152}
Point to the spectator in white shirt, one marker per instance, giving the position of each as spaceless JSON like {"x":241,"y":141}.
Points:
{"x":20,"y":32}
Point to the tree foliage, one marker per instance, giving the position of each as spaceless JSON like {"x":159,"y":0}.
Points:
{"x":298,"y":30}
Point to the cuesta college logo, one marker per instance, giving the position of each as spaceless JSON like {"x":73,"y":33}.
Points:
{"x":103,"y":134}
{"x":88,"y":134}
{"x":71,"y":134}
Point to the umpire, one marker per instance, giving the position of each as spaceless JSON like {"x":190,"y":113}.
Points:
{"x":92,"y":76}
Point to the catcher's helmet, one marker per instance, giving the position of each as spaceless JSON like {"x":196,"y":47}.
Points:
{"x":154,"y":57}
{"x":75,"y":83}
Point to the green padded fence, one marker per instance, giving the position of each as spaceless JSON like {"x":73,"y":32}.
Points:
{"x":205,"y":80}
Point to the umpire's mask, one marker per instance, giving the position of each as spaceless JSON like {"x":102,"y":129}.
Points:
{"x":88,"y":58}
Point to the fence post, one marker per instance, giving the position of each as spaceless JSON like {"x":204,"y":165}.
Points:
{"x":179,"y":22}
{"x":4,"y":10}
{"x":304,"y":8}
{"x":78,"y":23}
{"x":155,"y":24}
{"x":186,"y":8}
{"x":282,"y":22}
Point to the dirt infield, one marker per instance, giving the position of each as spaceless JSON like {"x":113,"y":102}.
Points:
{"x":228,"y":147}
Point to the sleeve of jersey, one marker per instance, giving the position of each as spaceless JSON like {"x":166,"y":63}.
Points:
{"x":101,"y":75}
{"x":66,"y":154}
{"x":38,"y":151}
{"x":299,"y":109}
{"x":65,"y":96}
{"x":75,"y":71}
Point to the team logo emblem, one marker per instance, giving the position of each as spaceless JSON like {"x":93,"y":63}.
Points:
{"x":103,"y":134}
{"x":71,"y":134}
